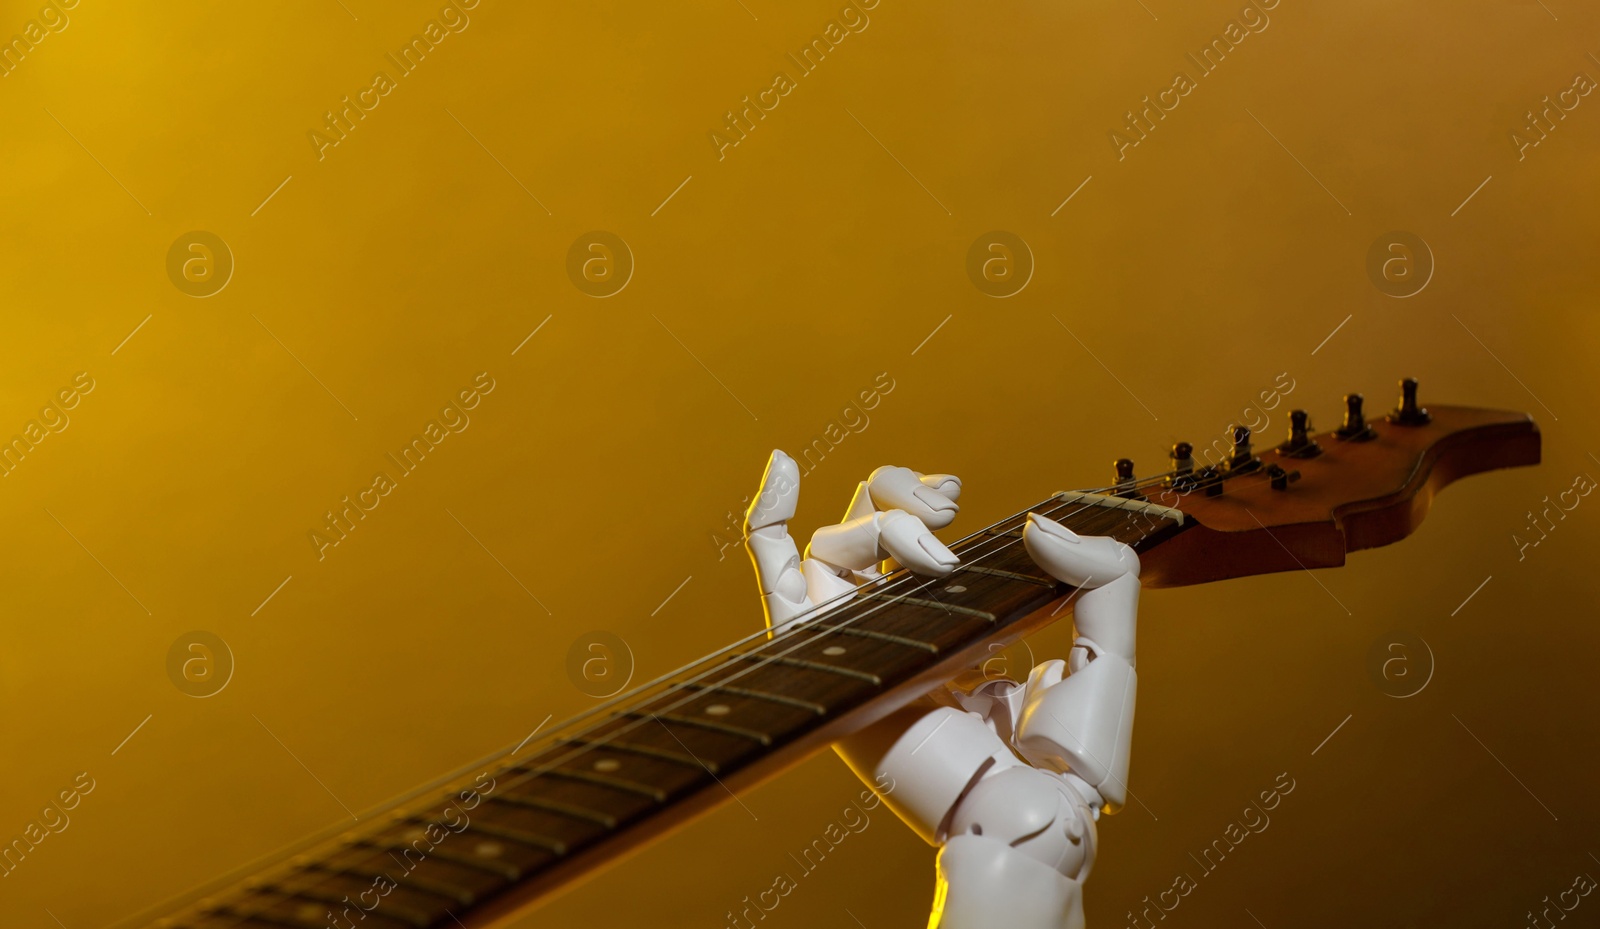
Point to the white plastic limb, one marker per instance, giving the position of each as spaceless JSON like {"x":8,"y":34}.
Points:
{"x":1010,"y":782}
{"x":766,"y":529}
{"x":1083,"y":723}
{"x":841,"y":556}
{"x":1016,"y":842}
{"x":891,"y":516}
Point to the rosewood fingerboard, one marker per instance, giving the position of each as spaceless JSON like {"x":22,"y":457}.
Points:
{"x":592,"y":789}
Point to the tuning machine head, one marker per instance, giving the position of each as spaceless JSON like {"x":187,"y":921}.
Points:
{"x":1355,"y":428}
{"x":1300,"y":444}
{"x":1126,"y":485}
{"x":1408,"y":413}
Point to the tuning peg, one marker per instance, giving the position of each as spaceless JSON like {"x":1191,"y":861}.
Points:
{"x":1355,"y":428}
{"x":1181,"y":477}
{"x":1243,"y":459}
{"x":1300,"y":443}
{"x":1409,"y":414}
{"x":1125,"y":480}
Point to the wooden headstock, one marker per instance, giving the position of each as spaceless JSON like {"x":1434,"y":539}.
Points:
{"x":1356,"y":494}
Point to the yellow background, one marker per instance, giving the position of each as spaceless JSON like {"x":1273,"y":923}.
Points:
{"x":796,"y":269}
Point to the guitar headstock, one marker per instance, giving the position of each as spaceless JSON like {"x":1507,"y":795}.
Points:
{"x":1309,"y":501}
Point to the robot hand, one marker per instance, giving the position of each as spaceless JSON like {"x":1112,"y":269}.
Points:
{"x":1011,"y":787}
{"x":891,"y":518}
{"x":1082,"y":724}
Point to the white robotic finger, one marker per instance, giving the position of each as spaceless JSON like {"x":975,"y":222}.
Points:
{"x":860,"y":543}
{"x":948,"y":485}
{"x":1107,"y":572}
{"x":1083,"y":723}
{"x":1082,"y":561}
{"x":776,"y":559}
{"x":934,"y":504}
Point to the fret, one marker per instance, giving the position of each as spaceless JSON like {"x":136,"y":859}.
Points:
{"x":932,"y":605}
{"x":604,"y":780}
{"x":928,"y":647}
{"x":431,"y":875}
{"x":399,"y":877}
{"x":550,"y":806}
{"x":633,"y":748}
{"x":994,"y":572}
{"x":720,"y":750}
{"x":821,"y":666}
{"x":793,"y":662}
{"x":533,"y":839}
{"x":621,"y":804}
{"x":473,"y":845}
{"x":488,"y":865}
{"x":711,"y":724}
{"x":400,"y":906}
{"x":806,"y":687}
{"x":754,"y":694}
{"x":946,"y":632}
{"x":641,"y":774}
{"x":556,"y":832}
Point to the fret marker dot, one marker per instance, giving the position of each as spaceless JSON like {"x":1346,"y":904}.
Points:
{"x":955,"y":589}
{"x":488,"y":849}
{"x":834,"y":650}
{"x":310,"y":911}
{"x":718,"y":709}
{"x":607,"y":764}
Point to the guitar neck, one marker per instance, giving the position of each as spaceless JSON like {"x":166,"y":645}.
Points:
{"x":515,"y":830}
{"x":476,"y":848}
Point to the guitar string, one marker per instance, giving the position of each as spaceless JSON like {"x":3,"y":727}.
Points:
{"x":990,"y":531}
{"x":286,"y":896}
{"x":803,"y":626}
{"x":793,"y":627}
{"x":529,"y":774}
{"x":797,"y":629}
{"x":817,"y":609}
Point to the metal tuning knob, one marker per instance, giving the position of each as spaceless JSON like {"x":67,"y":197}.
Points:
{"x":1409,"y":414}
{"x":1243,"y":459}
{"x":1182,"y":456}
{"x":1300,"y":443}
{"x":1182,"y":476}
{"x":1355,"y":428}
{"x":1125,"y":483}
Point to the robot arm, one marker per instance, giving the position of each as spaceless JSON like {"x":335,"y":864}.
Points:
{"x":1009,"y":781}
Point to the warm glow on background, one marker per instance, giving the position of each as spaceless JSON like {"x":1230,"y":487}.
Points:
{"x":183,"y":454}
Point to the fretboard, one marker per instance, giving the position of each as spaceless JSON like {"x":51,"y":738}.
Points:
{"x":525,"y":823}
